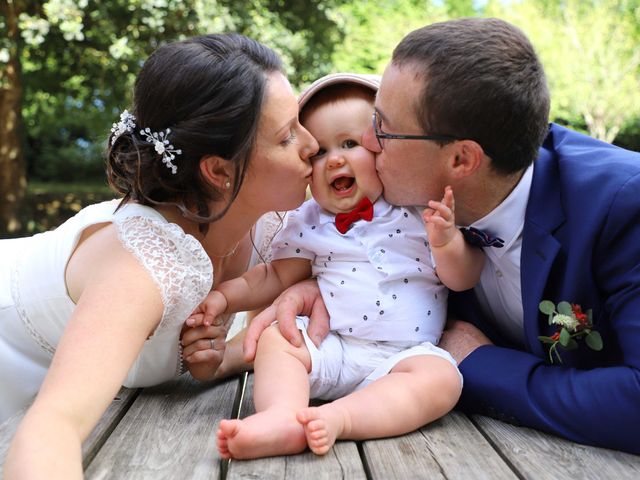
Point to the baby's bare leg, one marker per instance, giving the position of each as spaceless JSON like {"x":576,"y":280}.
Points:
{"x":417,"y":391}
{"x":281,"y":388}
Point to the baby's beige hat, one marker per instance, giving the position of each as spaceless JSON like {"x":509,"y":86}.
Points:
{"x":367,"y":80}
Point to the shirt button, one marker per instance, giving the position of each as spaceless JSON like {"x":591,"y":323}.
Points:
{"x":498,"y":274}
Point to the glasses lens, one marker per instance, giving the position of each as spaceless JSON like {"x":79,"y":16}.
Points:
{"x":377,"y":123}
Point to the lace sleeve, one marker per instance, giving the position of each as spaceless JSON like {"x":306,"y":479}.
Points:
{"x":175,"y":261}
{"x":267,"y":227}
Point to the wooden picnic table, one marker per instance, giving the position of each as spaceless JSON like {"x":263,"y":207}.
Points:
{"x":167,"y":432}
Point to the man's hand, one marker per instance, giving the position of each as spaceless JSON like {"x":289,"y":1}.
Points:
{"x":461,"y":338}
{"x":303,"y":298}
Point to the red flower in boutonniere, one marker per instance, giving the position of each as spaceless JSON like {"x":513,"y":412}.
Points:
{"x":573,"y":324}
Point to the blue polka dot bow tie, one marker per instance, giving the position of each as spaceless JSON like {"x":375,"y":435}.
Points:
{"x":478,"y":238}
{"x":363,"y":211}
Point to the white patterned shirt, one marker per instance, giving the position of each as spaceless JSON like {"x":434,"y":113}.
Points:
{"x":377,"y":280}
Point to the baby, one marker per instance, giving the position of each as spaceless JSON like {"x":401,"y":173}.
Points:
{"x":387,"y":307}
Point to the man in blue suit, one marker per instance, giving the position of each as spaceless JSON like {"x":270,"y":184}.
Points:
{"x":465,"y":103}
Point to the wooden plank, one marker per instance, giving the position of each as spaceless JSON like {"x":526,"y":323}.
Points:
{"x":403,"y":457}
{"x":538,"y":455}
{"x":343,"y":461}
{"x":462,"y":451}
{"x":451,"y":448}
{"x":168,"y":433}
{"x":107,"y":423}
{"x":92,"y":444}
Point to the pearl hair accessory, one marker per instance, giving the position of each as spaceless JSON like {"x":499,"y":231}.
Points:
{"x":126,"y":124}
{"x":160,"y":140}
{"x":163,"y":146}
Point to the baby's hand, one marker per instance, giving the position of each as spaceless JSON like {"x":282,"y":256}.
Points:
{"x":439,"y":219}
{"x":203,"y":349}
{"x":207,"y":313}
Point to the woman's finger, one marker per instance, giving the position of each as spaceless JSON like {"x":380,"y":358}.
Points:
{"x":192,"y":334}
{"x":205,"y":356}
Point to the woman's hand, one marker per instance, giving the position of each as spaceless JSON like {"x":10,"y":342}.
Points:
{"x":203,"y":348}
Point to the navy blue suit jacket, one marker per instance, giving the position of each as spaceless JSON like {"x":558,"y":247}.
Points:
{"x":581,"y":244}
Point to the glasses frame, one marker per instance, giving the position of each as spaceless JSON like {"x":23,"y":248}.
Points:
{"x":381,"y":135}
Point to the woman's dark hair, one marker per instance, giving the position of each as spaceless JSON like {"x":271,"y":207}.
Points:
{"x":482,"y":81}
{"x":209,"y":92}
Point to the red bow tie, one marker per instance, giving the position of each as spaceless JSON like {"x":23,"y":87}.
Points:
{"x":363,"y":211}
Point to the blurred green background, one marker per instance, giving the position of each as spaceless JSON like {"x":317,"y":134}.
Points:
{"x":67,"y":69}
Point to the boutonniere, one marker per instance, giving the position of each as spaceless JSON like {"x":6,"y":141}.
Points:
{"x":573,"y":325}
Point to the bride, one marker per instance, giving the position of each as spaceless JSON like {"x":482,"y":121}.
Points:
{"x":212,"y":143}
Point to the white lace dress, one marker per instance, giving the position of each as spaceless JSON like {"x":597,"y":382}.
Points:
{"x":35,"y":305}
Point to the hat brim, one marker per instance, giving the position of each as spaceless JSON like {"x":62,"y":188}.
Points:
{"x":366,"y":80}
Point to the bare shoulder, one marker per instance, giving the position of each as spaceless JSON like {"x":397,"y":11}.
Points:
{"x":100,"y":253}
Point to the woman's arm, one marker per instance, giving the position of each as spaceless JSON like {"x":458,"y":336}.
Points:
{"x":118,"y":309}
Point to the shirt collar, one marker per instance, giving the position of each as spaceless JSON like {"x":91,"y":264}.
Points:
{"x":507,"y":219}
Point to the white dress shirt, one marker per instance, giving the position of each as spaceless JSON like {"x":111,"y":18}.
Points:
{"x":499,"y":291}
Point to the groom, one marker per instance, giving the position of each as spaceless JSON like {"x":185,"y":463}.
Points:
{"x":565,"y":205}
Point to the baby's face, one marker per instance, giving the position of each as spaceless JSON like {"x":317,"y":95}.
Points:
{"x":344,"y":171}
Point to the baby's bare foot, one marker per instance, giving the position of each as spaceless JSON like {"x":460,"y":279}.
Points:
{"x":322,"y":425}
{"x":227,"y":429}
{"x":264,"y":434}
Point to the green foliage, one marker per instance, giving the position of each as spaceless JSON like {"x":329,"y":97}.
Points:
{"x":373,"y":28}
{"x":48,"y":205}
{"x":589,"y":51}
{"x":79,"y":59}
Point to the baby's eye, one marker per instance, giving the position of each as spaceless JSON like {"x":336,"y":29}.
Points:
{"x":321,"y":152}
{"x":349,"y":143}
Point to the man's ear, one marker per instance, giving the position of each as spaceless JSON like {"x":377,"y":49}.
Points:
{"x":467,"y":158}
{"x":217,"y":171}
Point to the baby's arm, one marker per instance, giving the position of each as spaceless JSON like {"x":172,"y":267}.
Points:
{"x":257,"y":288}
{"x":458,"y":264}
{"x":204,"y":340}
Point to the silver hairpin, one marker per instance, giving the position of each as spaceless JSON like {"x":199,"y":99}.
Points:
{"x":127,"y":123}
{"x":162,"y":145}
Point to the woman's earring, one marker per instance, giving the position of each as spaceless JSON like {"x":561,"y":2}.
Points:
{"x":227,"y":184}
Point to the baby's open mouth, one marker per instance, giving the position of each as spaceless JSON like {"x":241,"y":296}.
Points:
{"x":343,"y":183}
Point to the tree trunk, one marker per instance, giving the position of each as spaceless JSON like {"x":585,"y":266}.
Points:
{"x":12,"y":167}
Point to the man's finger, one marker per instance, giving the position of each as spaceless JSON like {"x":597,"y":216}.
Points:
{"x":255,"y":329}
{"x":287,"y":310}
{"x":318,"y":327}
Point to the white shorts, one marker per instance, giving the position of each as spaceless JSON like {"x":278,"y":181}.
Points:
{"x":344,"y":364}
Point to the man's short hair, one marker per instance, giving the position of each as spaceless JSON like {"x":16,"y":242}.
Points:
{"x":482,"y":81}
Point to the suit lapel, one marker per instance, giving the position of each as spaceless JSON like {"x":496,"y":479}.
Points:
{"x":539,"y":247}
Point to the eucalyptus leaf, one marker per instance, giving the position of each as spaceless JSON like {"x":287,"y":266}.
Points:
{"x":594,"y":340}
{"x":565,"y":337}
{"x":547,"y":307}
{"x":565,"y":308}
{"x":571,"y":345}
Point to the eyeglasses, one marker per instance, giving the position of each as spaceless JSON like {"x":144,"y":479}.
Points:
{"x":380,"y":135}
